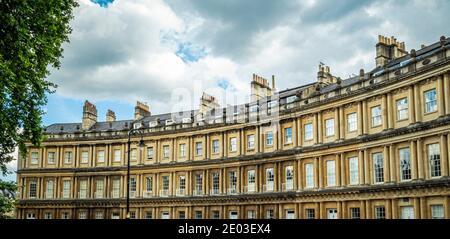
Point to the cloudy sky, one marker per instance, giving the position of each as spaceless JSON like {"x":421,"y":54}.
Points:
{"x":126,"y":50}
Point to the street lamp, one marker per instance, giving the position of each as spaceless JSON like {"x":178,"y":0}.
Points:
{"x":132,"y":131}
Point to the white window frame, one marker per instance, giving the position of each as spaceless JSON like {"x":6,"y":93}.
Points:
{"x":402,"y":109}
{"x":216,"y":146}
{"x":49,"y":188}
{"x":353,"y":166}
{"x":378,"y":167}
{"x":101,"y":156}
{"x":376,"y":116}
{"x":331,"y":173}
{"x":434,"y":160}
{"x":51,"y":159}
{"x":166,"y":151}
{"x":66,"y":188}
{"x":68,"y":157}
{"x":251,"y":141}
{"x":233,"y":144}
{"x":437,"y":211}
{"x":407,"y":212}
{"x":34,"y":157}
{"x":430,"y":103}
{"x":352,"y":122}
{"x":329,"y":127}
{"x":182,"y":150}
{"x":269,"y":138}
{"x":288,"y":135}
{"x":405,"y":164}
{"x":117,"y":155}
{"x":32,"y":192}
{"x":84,"y":156}
{"x":83,"y":189}
{"x":309,"y":175}
{"x":150,"y":152}
{"x":309,"y":132}
{"x":198,"y":148}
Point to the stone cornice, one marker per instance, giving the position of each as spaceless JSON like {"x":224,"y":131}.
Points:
{"x":418,"y":127}
{"x":343,"y":193}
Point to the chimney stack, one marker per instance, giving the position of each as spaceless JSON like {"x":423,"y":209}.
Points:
{"x":260,"y":87}
{"x":141,"y":110}
{"x":324,"y":75}
{"x":110,"y":116}
{"x":89,"y":115}
{"x":274,"y":88}
{"x":388,"y":49}
{"x":208,"y":102}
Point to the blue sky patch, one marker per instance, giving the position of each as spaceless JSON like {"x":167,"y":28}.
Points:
{"x":189,"y":52}
{"x":103,"y":3}
{"x":223,"y":84}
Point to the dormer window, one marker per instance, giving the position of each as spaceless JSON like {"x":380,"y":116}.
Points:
{"x":186,"y":120}
{"x":137,"y":125}
{"x":169,"y":122}
{"x":253,"y":109}
{"x":291,"y":99}
{"x":153,"y":123}
{"x":272,"y":104}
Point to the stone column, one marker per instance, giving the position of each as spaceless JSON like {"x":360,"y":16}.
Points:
{"x":444,"y":155}
{"x":366,"y":167}
{"x":319,"y":128}
{"x":420,"y":159}
{"x":447,"y":93}
{"x":361,"y":167}
{"x":316,"y":173}
{"x":341,"y":123}
{"x":368,"y":209}
{"x":338,"y":169}
{"x":440,"y":96}
{"x":392,"y":164}
{"x":413,"y":150}
{"x":296,"y":174}
{"x":416,"y":205}
{"x":320,"y":172}
{"x":337,"y":124}
{"x":388,"y":209}
{"x":339,"y":208}
{"x":365,"y":117}
{"x":257,"y":141}
{"x":360,"y":118}
{"x":294,"y":133}
{"x":316,"y":129}
{"x":385,"y":112}
{"x":411,"y":104}
{"x":363,"y":209}
{"x":390,"y":113}
{"x":299,"y":172}
{"x":343,"y":169}
{"x":423,"y":208}
{"x":417,"y":103}
{"x":394,"y":208}
{"x":386,"y":163}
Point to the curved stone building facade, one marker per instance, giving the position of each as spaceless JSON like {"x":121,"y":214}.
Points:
{"x":375,"y":145}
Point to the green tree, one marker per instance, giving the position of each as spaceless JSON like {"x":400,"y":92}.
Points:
{"x":31,"y":35}
{"x":6,"y":202}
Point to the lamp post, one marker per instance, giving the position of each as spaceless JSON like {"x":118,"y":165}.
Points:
{"x":141,"y":146}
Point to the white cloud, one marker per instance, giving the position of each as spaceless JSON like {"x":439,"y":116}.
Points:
{"x":128,"y":51}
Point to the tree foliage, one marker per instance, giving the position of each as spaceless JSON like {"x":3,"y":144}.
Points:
{"x":6,"y":202}
{"x":31,"y":35}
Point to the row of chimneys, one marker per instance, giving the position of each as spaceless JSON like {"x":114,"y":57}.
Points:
{"x":90,"y":114}
{"x":387,"y":49}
